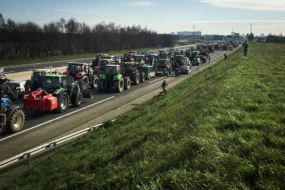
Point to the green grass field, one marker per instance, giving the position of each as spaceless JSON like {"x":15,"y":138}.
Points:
{"x":221,"y":129}
{"x":60,"y":58}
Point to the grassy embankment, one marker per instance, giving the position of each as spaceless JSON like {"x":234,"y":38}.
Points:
{"x":221,"y":129}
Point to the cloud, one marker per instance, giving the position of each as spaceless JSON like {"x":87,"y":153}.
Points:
{"x":230,"y":21}
{"x":141,"y":3}
{"x":272,"y":5}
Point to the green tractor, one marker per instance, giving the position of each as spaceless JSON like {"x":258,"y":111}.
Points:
{"x":56,"y":93}
{"x":113,"y":80}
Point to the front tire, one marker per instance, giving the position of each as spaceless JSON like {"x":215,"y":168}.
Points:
{"x":101,"y":86}
{"x":137,"y":79}
{"x":16,"y":121}
{"x":76,"y":99}
{"x":119,"y":85}
{"x":63,"y":102}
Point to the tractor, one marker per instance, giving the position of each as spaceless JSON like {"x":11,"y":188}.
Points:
{"x":151,"y":59}
{"x":36,"y":79}
{"x":84,"y":72}
{"x":162,"y":54}
{"x":12,"y":118}
{"x":131,"y":70}
{"x":163,"y":67}
{"x":99,"y":68}
{"x":97,"y":59}
{"x":56,"y":93}
{"x":112,"y":79}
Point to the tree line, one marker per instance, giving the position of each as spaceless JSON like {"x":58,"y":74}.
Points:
{"x":67,"y":37}
{"x":275,"y":39}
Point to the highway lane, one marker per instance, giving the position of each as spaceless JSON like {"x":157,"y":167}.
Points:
{"x":30,"y":67}
{"x":41,"y":119}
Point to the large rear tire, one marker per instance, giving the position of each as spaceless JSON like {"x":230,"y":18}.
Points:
{"x":16,"y":122}
{"x":137,"y":79}
{"x":63,"y":102}
{"x":76,"y":99}
{"x":127,"y":83}
{"x":94,"y":83}
{"x":119,"y":85}
{"x":85,"y":81}
{"x":101,"y":86}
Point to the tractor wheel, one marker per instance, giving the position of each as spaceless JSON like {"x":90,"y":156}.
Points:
{"x":127,"y":83}
{"x":16,"y":121}
{"x":63,"y":102}
{"x":119,"y":85}
{"x":88,"y":94}
{"x":94,"y":83}
{"x":76,"y":99}
{"x":142,"y":78}
{"x":137,"y":79}
{"x":148,"y":77}
{"x":101,"y":86}
{"x":85,"y":81}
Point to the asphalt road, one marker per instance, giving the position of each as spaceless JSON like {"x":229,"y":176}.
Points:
{"x":36,"y":119}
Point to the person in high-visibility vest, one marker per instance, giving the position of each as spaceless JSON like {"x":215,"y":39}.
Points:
{"x":245,"y":48}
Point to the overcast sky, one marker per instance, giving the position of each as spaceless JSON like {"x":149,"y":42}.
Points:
{"x":163,"y":16}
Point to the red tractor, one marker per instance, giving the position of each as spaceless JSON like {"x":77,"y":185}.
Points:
{"x":83,"y":72}
{"x":131,"y":70}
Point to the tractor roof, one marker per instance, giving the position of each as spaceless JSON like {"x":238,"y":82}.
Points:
{"x":77,"y":63}
{"x":130,"y":63}
{"x":54,"y":75}
{"x":139,"y":55}
{"x":112,"y":65}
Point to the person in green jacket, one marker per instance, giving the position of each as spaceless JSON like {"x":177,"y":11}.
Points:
{"x":245,"y":48}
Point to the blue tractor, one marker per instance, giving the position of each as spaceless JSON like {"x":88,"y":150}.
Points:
{"x":12,"y":118}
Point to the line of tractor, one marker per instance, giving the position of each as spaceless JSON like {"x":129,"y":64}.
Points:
{"x":50,"y":91}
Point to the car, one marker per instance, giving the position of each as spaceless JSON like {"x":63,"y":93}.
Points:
{"x":19,"y":86}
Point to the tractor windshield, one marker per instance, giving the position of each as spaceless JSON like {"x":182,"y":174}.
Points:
{"x":73,"y":69}
{"x":138,"y":58}
{"x":103,"y":63}
{"x":50,"y":82}
{"x":129,"y":67}
{"x":111,"y":70}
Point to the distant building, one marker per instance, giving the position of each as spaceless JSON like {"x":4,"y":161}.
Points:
{"x":189,"y":33}
{"x":262,"y":35}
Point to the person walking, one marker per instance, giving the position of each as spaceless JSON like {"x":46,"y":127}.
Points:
{"x":209,"y":59}
{"x":163,"y":86}
{"x":226,"y":56}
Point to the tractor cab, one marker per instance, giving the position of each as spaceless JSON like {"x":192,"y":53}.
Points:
{"x":111,"y":70}
{"x":52,"y":82}
{"x":176,"y":53}
{"x":78,"y":69}
{"x":151,"y":59}
{"x":97,"y":59}
{"x":99,"y":68}
{"x":128,"y":57}
{"x":163,"y":54}
{"x":139,"y":59}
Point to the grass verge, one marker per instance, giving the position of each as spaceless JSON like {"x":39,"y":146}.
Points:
{"x":221,"y":129}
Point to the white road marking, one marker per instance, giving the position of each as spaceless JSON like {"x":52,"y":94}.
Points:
{"x":44,"y":123}
{"x":156,"y":80}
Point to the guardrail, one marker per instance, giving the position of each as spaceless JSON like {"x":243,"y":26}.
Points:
{"x":27,"y":155}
